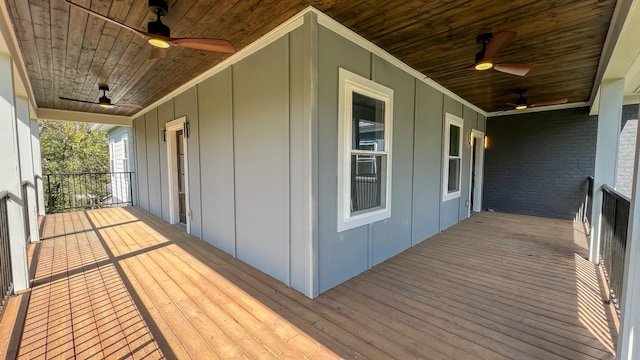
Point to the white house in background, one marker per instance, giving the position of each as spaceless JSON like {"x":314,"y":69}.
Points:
{"x":121,"y":163}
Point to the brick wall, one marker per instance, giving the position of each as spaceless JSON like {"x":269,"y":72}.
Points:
{"x":537,"y":163}
{"x":627,"y":149}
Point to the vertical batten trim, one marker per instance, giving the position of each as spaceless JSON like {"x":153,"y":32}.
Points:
{"x":233,"y":162}
{"x":413,"y":162}
{"x":195,"y":88}
{"x":287,"y":156}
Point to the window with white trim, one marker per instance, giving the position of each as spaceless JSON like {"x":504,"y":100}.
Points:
{"x":364,"y":151}
{"x":112,"y":156}
{"x":125,"y":154}
{"x":452,"y":157}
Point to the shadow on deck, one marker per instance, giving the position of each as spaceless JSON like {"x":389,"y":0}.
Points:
{"x":121,"y":283}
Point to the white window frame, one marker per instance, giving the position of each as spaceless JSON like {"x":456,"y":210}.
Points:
{"x":125,"y":153}
{"x":449,"y":120}
{"x":348,"y":84}
{"x":478,"y":143}
{"x":112,"y":156}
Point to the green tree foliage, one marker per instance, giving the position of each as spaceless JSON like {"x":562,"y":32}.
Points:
{"x":74,"y":160}
{"x":71,"y":147}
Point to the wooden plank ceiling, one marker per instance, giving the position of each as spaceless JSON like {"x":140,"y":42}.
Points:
{"x":68,"y":53}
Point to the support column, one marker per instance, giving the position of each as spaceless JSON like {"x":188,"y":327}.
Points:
{"x":629,"y":337}
{"x":26,"y":165}
{"x":609,"y":117}
{"x":10,"y":174}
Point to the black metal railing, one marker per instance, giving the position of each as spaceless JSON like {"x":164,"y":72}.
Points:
{"x":37,"y":179}
{"x":613,"y":239}
{"x":6,"y":274}
{"x":25,"y":210}
{"x":67,"y":192}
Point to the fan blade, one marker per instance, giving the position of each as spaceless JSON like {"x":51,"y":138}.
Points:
{"x":499,"y":42}
{"x":218,"y":45}
{"x":157,"y":52}
{"x":78,"y":100}
{"x":91,"y":12}
{"x":513,"y":69}
{"x":550,"y":102}
{"x":132,"y":106}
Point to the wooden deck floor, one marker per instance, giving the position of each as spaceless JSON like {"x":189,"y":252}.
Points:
{"x":119,"y":283}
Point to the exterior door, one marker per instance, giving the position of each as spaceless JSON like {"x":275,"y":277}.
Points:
{"x":178,"y":172}
{"x":476,"y":171}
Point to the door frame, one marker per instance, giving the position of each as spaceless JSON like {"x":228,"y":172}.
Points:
{"x":171,"y":129}
{"x":478,"y":143}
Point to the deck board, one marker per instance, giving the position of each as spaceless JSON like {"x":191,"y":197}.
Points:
{"x":122,"y":283}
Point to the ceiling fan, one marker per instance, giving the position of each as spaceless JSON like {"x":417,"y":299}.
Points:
{"x":521,"y":102}
{"x":159,"y":34}
{"x":491,"y":46}
{"x":104,"y":101}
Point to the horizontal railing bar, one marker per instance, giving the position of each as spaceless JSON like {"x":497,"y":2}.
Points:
{"x":615,"y":193}
{"x":75,"y":191}
{"x":27,"y":182}
{"x":9,"y":195}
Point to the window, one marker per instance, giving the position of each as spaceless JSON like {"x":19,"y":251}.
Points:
{"x":125,"y":154}
{"x":452,"y":157}
{"x":112,"y":156}
{"x":364,"y":151}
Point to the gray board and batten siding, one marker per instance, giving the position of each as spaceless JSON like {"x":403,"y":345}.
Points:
{"x":263,"y":160}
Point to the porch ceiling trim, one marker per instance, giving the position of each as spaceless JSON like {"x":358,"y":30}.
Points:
{"x":333,"y":25}
{"x":79,"y":116}
{"x":288,"y":26}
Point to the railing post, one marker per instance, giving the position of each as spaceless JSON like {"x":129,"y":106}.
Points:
{"x":49,"y":193}
{"x":25,"y":212}
{"x":130,"y":188}
{"x":6,"y":271}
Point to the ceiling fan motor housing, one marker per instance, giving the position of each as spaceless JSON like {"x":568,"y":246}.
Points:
{"x":521,"y":100}
{"x":104,"y":101}
{"x":158,"y":28}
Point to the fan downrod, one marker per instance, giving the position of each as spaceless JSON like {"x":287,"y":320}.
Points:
{"x":484,"y":40}
{"x":158,"y":7}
